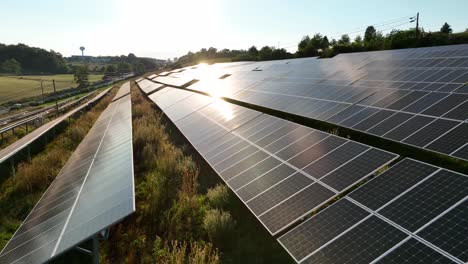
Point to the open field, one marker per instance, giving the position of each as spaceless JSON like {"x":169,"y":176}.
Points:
{"x":18,"y":87}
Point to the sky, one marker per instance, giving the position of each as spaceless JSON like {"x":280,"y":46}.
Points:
{"x":166,"y":29}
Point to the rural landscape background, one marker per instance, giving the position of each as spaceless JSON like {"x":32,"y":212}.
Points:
{"x":185,"y":213}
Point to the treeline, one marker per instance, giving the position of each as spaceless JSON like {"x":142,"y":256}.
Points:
{"x":21,"y":58}
{"x":320,"y":45}
{"x":116,"y":64}
{"x":374,"y":40}
{"x":252,"y":54}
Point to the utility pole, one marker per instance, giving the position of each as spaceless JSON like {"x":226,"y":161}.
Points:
{"x":42,"y":89}
{"x":417,"y":24}
{"x":56,"y":99}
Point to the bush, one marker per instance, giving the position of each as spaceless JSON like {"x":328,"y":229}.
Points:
{"x":185,"y":219}
{"x":182,"y":252}
{"x":218,"y":196}
{"x":218,"y":226}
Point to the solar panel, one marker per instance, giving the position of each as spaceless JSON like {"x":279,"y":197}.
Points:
{"x":451,"y":141}
{"x":413,"y":251}
{"x":389,"y":123}
{"x":408,"y":128}
{"x":295,"y":207}
{"x":260,"y":156}
{"x":417,"y":207}
{"x":149,"y":86}
{"x":361,"y":244}
{"x":173,"y":81}
{"x":381,"y":190}
{"x":262,"y":181}
{"x":449,"y":232}
{"x":278,"y":193}
{"x":124,"y":90}
{"x":418,"y":204}
{"x":326,"y":225}
{"x":462,"y":152}
{"x":93,"y":191}
{"x":431,"y":132}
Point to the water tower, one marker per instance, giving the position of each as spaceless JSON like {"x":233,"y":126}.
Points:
{"x":82,"y":50}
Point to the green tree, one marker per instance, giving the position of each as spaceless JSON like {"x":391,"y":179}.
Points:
{"x":446,"y":28}
{"x":11,"y":66}
{"x":345,"y":40}
{"x":139,"y":68}
{"x":358,"y":39}
{"x":81,"y":76}
{"x":325,"y":43}
{"x":265,"y":53}
{"x":253,"y":51}
{"x":124,"y":68}
{"x":370,"y":33}
{"x":302,"y":45}
{"x":211,"y":52}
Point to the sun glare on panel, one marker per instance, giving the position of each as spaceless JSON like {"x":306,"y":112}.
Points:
{"x":225,"y":109}
{"x":209,"y":77}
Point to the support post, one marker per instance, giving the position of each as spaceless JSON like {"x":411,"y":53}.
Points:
{"x":42,"y":89}
{"x":56,"y":99}
{"x":12,"y":163}
{"x":95,"y":249}
{"x":417,"y":24}
{"x":29,"y":153}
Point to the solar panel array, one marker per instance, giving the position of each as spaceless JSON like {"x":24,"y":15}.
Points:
{"x":417,"y":97}
{"x":413,"y":213}
{"x":281,"y":170}
{"x":92,"y":191}
{"x":25,"y":141}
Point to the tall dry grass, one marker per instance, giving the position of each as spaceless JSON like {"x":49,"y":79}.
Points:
{"x":170,"y":208}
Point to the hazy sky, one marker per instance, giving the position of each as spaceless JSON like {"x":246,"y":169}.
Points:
{"x":171,"y":28}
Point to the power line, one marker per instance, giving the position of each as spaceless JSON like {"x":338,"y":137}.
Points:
{"x":396,"y":26}
{"x":376,"y":25}
{"x":379,"y":24}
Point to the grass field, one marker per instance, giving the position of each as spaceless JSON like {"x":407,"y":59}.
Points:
{"x":18,"y":87}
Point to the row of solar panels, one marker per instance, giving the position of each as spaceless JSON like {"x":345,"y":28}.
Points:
{"x":25,"y":141}
{"x":392,"y":218}
{"x":426,"y":108}
{"x":304,"y":167}
{"x":93,"y":190}
{"x":282,"y":171}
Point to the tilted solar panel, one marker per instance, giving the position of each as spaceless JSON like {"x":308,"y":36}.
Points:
{"x":93,"y":190}
{"x":351,"y":88}
{"x":413,"y":211}
{"x":276,"y":167}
